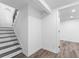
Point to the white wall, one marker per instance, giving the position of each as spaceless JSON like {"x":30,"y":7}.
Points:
{"x":69,"y":30}
{"x":21,"y":28}
{"x":6,"y":15}
{"x":50,"y":25}
{"x":28,"y":30}
{"x":34,"y":31}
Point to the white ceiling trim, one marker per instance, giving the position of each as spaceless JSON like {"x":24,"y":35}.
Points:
{"x":45,"y":5}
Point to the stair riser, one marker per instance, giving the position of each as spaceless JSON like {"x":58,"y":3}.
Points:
{"x":9,"y":49}
{"x":6,"y":31}
{"x":10,"y":52}
{"x":5,"y":35}
{"x":9,"y":43}
{"x":7,"y":39}
{"x":6,"y":28}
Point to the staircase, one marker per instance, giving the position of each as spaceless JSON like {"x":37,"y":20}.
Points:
{"x":9,"y":46}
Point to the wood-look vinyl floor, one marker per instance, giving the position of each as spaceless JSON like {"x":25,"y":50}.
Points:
{"x":67,"y":50}
{"x":43,"y":54}
{"x":21,"y":55}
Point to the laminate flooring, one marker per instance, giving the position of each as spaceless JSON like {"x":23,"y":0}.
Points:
{"x":67,"y":50}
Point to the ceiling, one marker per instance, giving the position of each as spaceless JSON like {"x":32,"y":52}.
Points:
{"x":21,"y":3}
{"x":66,"y":13}
{"x":70,"y":13}
{"x":51,"y":3}
{"x":15,"y":3}
{"x":59,"y":3}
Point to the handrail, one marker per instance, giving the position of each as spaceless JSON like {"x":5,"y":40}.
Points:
{"x":15,"y":18}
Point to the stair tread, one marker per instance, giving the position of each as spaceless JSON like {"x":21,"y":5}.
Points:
{"x":9,"y":49}
{"x":13,"y":54}
{"x":7,"y":53}
{"x":6,"y":27}
{"x":8,"y":43}
{"x":8,"y":46}
{"x":8,"y":36}
{"x":7,"y":39}
{"x":7,"y":33}
{"x":6,"y":30}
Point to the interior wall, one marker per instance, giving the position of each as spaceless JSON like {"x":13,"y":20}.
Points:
{"x":6,"y":15}
{"x":21,"y":28}
{"x":49,"y":31}
{"x":70,"y":30}
{"x":27,"y":27}
{"x":34,"y":31}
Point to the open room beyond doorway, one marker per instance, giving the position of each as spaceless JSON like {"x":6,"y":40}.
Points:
{"x":69,"y":31}
{"x":69,"y":21}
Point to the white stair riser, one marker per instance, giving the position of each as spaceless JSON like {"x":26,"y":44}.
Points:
{"x":6,"y":31}
{"x":9,"y":49}
{"x":8,"y":43}
{"x":5,"y":35}
{"x":7,"y":39}
{"x":6,"y":28}
{"x":13,"y":54}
